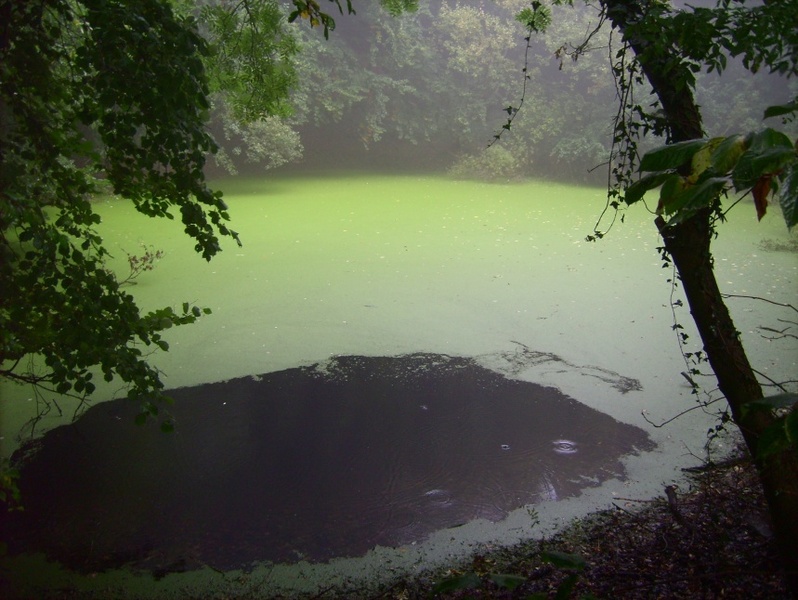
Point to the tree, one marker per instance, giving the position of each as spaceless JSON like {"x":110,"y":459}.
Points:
{"x":104,"y":96}
{"x":669,"y":47}
{"x":268,"y":142}
{"x":434,"y":84}
{"x":101,"y":97}
{"x":439,"y":78}
{"x":84,"y":108}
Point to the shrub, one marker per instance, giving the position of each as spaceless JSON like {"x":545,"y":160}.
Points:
{"x":492,"y":164}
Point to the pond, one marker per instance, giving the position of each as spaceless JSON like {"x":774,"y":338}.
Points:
{"x":310,"y":463}
{"x":373,"y":297}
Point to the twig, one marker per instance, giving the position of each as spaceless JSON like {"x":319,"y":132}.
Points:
{"x":676,"y":416}
{"x":715,"y":466}
{"x":689,"y":380}
{"x":782,"y":304}
{"x":649,"y":501}
{"x":775,"y":383}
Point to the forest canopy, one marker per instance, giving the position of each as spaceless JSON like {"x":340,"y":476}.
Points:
{"x":433,"y":85}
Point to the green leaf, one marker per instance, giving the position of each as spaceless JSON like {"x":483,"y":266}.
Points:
{"x":755,"y":163}
{"x":702,"y":160}
{"x":508,"y":582}
{"x":782,"y":109}
{"x":671,"y":156}
{"x":638,"y":189}
{"x":694,"y":198}
{"x":167,"y":427}
{"x":466,"y":581}
{"x":769,"y":138}
{"x":141,"y":418}
{"x":671,"y":187}
{"x":728,"y":152}
{"x":563,"y":560}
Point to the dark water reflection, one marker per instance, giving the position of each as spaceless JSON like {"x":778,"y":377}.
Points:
{"x":313,"y":462}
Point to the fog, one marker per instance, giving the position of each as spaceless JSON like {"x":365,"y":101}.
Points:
{"x":430,"y":90}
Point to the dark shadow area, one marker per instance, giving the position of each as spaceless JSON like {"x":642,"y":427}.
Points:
{"x":308,"y":463}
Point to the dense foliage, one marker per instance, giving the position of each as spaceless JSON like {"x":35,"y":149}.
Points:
{"x":102,"y":97}
{"x":85,"y":109}
{"x":434,"y":84}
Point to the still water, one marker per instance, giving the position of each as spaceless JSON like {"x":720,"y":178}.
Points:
{"x":310,"y":463}
{"x":365,"y":307}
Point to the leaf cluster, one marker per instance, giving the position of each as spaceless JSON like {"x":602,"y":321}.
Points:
{"x":692,"y":175}
{"x":95,"y":95}
{"x":782,"y":434}
{"x":251,"y":56}
{"x":678,"y":44}
{"x":535,"y":18}
{"x":316,"y":17}
{"x":481,"y":577}
{"x":763,"y":35}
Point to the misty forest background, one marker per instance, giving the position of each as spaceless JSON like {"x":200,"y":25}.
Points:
{"x":430,"y":89}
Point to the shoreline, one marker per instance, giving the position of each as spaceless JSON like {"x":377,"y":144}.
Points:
{"x":710,"y":539}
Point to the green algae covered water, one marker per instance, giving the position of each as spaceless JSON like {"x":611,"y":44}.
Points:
{"x":393,"y":266}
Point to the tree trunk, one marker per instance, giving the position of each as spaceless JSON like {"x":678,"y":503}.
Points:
{"x":688,"y":243}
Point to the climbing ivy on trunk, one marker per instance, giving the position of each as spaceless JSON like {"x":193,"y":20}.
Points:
{"x":694,"y":173}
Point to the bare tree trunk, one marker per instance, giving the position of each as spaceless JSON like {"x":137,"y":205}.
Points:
{"x":688,"y":243}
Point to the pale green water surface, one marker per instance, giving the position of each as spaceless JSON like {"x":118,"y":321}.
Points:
{"x":388,"y":265}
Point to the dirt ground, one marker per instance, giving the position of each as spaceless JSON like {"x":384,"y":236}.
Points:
{"x":709,"y":541}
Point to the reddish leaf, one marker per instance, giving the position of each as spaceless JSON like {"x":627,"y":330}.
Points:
{"x":760,"y":192}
